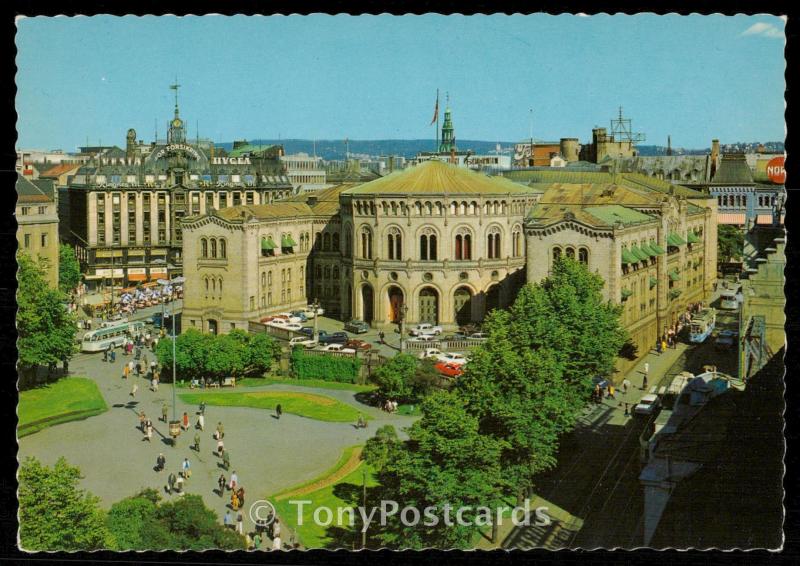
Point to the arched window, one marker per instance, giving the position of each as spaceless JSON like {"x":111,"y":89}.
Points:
{"x":556,"y":254}
{"x":428,"y":208}
{"x":317,"y":240}
{"x":263,"y":278}
{"x":570,"y":252}
{"x":366,"y":243}
{"x":213,"y":247}
{"x":203,"y":247}
{"x":335,"y":241}
{"x":213,"y":285}
{"x":394,"y":244}
{"x":394,"y":209}
{"x":583,"y":256}
{"x":493,"y":243}
{"x":473,"y":207}
{"x":423,"y":247}
{"x":327,"y":272}
{"x":348,"y":244}
{"x":463,"y":247}
{"x":326,"y":242}
{"x":503,"y":207}
{"x":206,"y":280}
{"x":439,"y":208}
{"x":428,"y":249}
{"x":220,"y":286}
{"x":385,"y":206}
{"x":453,"y":208}
{"x":462,"y":209}
{"x":223,"y":248}
{"x":417,"y":208}
{"x":269,"y":278}
{"x":516,"y":240}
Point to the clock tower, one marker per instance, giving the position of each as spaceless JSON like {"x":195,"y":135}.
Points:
{"x":177,"y":130}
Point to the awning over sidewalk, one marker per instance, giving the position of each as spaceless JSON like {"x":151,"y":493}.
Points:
{"x":731,"y":218}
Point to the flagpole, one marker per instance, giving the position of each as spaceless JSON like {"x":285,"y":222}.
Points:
{"x":436,"y":147}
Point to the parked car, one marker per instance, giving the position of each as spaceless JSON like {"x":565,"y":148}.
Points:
{"x":356,"y":326}
{"x":726,"y":339}
{"x":430,"y":353}
{"x":647,"y":404}
{"x":425,"y":328}
{"x":338,"y":348}
{"x":479,"y":336}
{"x":267,"y":319}
{"x":290,"y":317}
{"x":424,"y":338}
{"x":358,"y":345}
{"x":308,"y":331}
{"x":303,"y":341}
{"x":310,"y":309}
{"x":301,"y":315}
{"x":278,"y":322}
{"x":468,"y":329}
{"x":332,"y":337}
{"x":452,"y":358}
{"x":296,"y":326}
{"x":449,"y":369}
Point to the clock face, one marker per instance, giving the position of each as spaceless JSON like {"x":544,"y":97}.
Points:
{"x":176,"y":123}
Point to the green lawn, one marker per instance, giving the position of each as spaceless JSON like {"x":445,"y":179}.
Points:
{"x":65,"y":400}
{"x":311,"y":535}
{"x":309,"y":405}
{"x":319,"y":383}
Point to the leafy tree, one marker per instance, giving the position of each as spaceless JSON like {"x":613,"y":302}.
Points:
{"x":567,"y":314}
{"x":53,"y":513}
{"x":191,"y":353}
{"x":263,"y":352}
{"x":69,"y":270}
{"x":328,"y":368}
{"x":46,"y":330}
{"x":445,"y":462}
{"x":227,"y":356}
{"x":395,"y":377}
{"x":377,"y":449}
{"x":730,"y":242}
{"x":425,"y":379}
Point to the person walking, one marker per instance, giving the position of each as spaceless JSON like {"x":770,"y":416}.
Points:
{"x":240,"y":524}
{"x":134,"y":389}
{"x":125,"y":371}
{"x":185,"y":421}
{"x":240,"y":495}
{"x":220,"y":447}
{"x":646,"y":373}
{"x":226,"y":460}
{"x":227,"y":520}
{"x":105,"y":353}
{"x":201,"y":422}
{"x":233,"y":481}
{"x":171,"y":482}
{"x":625,"y":386}
{"x":235,"y":500}
{"x":164,"y":412}
{"x":220,"y":432}
{"x":155,"y":383}
{"x":161,"y":462}
{"x":197,"y":442}
{"x":611,"y":391}
{"x":221,"y":483}
{"x":130,"y":367}
{"x":149,"y":427}
{"x":256,"y":541}
{"x":278,"y":410}
{"x":179,"y":484}
{"x":142,"y":418}
{"x":187,"y":468}
{"x":663,"y":346}
{"x":202,"y":409}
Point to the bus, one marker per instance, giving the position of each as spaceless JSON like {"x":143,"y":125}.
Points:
{"x":100,"y":339}
{"x":728,"y":300}
{"x":702,"y":325}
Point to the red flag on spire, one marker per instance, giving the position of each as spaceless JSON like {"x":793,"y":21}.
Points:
{"x":436,"y":109}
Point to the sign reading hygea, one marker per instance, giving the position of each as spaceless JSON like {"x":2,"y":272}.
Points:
{"x":175,"y":148}
{"x":776,"y":171}
{"x":230,"y":161}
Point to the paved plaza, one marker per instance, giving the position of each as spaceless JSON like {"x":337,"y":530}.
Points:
{"x":269,"y":455}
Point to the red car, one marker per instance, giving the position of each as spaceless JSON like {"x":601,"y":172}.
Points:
{"x":449,"y":369}
{"x":358,"y":345}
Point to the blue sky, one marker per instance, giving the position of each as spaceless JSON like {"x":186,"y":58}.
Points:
{"x":375,"y":77}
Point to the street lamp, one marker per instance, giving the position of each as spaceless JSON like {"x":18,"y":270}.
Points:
{"x":315,"y":306}
{"x":174,"y":425}
{"x":403,"y":315}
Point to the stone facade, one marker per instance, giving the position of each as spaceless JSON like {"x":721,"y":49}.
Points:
{"x":37,"y":223}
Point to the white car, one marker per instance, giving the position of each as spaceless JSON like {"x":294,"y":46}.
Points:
{"x":430,"y":353}
{"x":293,"y":326}
{"x":647,"y":404}
{"x":450,"y":357}
{"x":303,"y":341}
{"x":425,"y":328}
{"x":338,"y":348}
{"x":279,"y":322}
{"x":290,"y":317}
{"x":424,"y":338}
{"x":309,"y":311}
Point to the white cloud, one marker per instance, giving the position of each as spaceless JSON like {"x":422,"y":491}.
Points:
{"x":764,"y":29}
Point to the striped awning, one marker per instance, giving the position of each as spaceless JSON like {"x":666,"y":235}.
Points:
{"x":628,"y":257}
{"x":764,"y":219}
{"x":656,"y":248}
{"x":640,"y":255}
{"x":137,"y":277}
{"x":675,"y":240}
{"x":736,"y":219}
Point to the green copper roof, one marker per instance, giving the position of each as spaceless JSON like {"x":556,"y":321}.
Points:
{"x":613,"y":213}
{"x":628,"y":257}
{"x":656,"y":248}
{"x":675,"y":240}
{"x":267,"y":244}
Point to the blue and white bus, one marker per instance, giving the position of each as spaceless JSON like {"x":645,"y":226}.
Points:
{"x":100,"y":339}
{"x":702,"y":325}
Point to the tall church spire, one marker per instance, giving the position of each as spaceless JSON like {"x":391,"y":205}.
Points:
{"x":448,"y":134}
{"x":177,"y":131}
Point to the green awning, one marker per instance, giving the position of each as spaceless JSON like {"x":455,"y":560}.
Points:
{"x":692,"y":238}
{"x":653,"y":282}
{"x":648,"y":250}
{"x":626,"y":293}
{"x":287,"y":242}
{"x":628,"y":257}
{"x":640,"y":255}
{"x":656,"y":248}
{"x":267,"y":244}
{"x":675,"y":240}
{"x":674,"y":276}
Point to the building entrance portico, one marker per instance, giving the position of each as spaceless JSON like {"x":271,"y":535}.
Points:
{"x":395,"y":302}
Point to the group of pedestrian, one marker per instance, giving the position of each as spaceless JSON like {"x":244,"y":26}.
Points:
{"x":608,"y":392}
{"x":146,"y":426}
{"x":390,"y":406}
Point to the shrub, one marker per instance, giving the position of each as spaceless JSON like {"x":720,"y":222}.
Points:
{"x":327,"y":368}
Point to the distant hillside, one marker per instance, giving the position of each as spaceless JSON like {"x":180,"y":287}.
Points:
{"x":336,"y":149}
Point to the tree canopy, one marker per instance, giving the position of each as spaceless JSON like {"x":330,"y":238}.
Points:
{"x":53,"y":513}
{"x":69,"y":270}
{"x":730,"y":242}
{"x":45,"y":328}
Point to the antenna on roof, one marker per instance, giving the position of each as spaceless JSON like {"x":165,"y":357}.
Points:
{"x":197,"y":131}
{"x":155,"y":139}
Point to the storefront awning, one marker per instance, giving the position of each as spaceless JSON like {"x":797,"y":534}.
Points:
{"x":137,"y":277}
{"x":764,"y":219}
{"x":656,"y":248}
{"x":675,"y":240}
{"x":674,"y":275}
{"x":267,"y":244}
{"x":287,"y":242}
{"x":653,"y":282}
{"x":692,"y":238}
{"x":736,"y":219}
{"x":628,"y":257}
{"x":640,"y":255}
{"x":104,"y":253}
